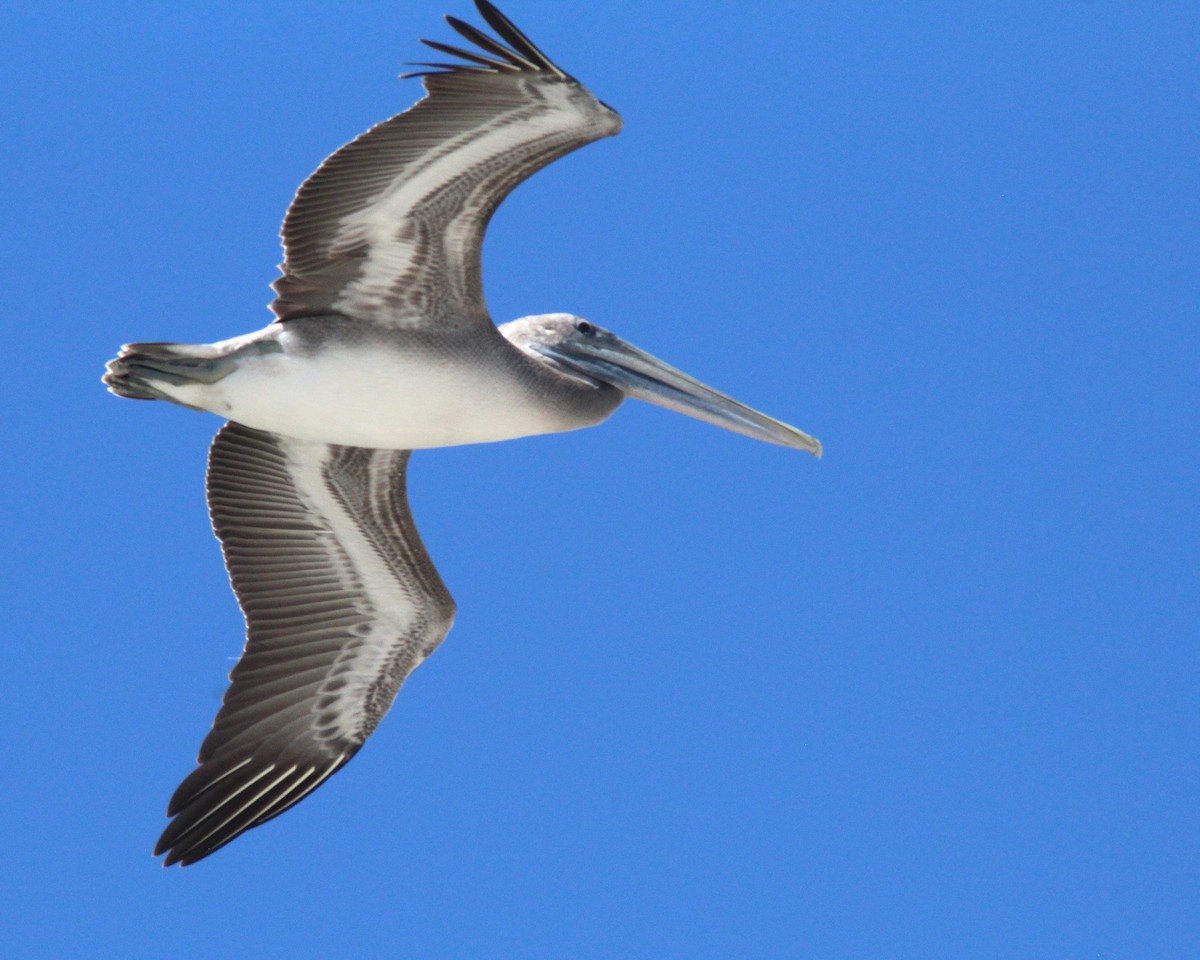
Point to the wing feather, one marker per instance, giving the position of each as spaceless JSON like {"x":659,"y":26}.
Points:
{"x":510,"y":32}
{"x":390,"y":227}
{"x":330,"y":637}
{"x":484,"y":42}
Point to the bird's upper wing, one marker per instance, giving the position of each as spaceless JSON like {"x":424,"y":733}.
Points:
{"x":390,"y":228}
{"x":341,"y":603}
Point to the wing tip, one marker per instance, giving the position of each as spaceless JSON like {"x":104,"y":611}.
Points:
{"x":211,"y":818}
{"x":514,"y":52}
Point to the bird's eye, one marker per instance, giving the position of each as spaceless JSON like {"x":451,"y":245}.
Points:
{"x":584,"y":327}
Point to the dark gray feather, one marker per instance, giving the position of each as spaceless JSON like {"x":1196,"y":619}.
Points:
{"x":357,"y":243}
{"x":510,"y":32}
{"x":484,"y":42}
{"x":306,"y":530}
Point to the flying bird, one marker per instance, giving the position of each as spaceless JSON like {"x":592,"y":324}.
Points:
{"x":382,"y":344}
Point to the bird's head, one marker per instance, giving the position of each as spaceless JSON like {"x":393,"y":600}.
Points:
{"x":579,"y":349}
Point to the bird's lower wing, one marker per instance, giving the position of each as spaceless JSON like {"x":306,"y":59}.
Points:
{"x":341,"y":601}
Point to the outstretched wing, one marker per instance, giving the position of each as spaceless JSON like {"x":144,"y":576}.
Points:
{"x":390,"y":228}
{"x":341,"y":601}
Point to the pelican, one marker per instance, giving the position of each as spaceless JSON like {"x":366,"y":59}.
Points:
{"x":382,"y":344}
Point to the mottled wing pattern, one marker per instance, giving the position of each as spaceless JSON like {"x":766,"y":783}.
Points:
{"x":341,"y":603}
{"x":390,"y":228}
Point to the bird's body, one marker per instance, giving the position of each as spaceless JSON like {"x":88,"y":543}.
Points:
{"x":382,"y":345}
{"x":330,"y":380}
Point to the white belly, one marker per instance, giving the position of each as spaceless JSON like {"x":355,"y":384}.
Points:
{"x":372,"y":397}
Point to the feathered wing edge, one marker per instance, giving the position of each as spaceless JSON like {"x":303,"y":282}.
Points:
{"x":389,"y":228}
{"x":521,"y":54}
{"x":342,"y":602}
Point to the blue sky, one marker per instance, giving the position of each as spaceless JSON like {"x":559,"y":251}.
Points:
{"x":932,"y":696}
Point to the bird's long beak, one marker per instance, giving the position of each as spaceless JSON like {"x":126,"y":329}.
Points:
{"x":608,"y":358}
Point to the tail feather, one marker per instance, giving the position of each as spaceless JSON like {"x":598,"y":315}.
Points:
{"x":141,"y":371}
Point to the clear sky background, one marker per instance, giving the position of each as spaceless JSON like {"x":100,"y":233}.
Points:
{"x":932,"y":696}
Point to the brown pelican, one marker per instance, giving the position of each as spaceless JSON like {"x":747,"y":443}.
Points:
{"x":382,"y":344}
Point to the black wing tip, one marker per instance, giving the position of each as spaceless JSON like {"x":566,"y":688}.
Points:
{"x":197,"y":829}
{"x":185,"y":856}
{"x":513,"y":35}
{"x":520,"y":55}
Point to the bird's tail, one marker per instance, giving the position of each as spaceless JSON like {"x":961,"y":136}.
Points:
{"x":147,"y":371}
